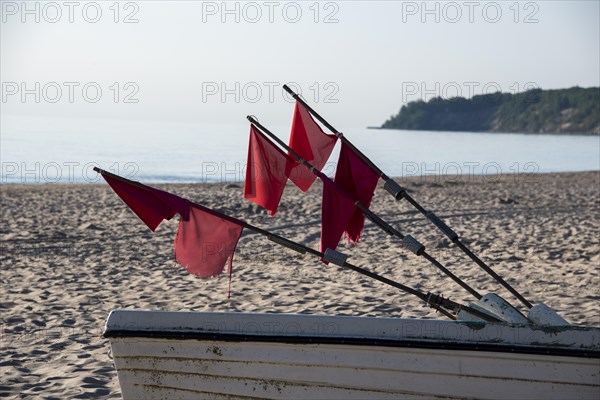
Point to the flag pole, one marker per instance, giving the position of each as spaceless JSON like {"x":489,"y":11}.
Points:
{"x":408,"y":241}
{"x":399,"y":193}
{"x":435,"y":301}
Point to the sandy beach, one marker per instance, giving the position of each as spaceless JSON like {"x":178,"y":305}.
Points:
{"x":72,"y":253}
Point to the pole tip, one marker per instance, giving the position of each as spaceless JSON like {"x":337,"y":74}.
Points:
{"x":252,"y":119}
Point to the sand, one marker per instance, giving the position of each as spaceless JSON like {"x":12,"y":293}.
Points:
{"x":72,"y":253}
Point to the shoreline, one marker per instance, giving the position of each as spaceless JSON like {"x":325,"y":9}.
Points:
{"x":422,"y":177}
{"x":491,"y":132}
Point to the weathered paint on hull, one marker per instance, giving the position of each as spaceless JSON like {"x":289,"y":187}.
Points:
{"x":171,"y":367}
{"x":168,"y":369}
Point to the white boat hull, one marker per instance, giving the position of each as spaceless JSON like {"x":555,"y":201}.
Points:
{"x":271,"y":356}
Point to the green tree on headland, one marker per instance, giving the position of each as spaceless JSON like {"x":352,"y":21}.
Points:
{"x":574,"y":110}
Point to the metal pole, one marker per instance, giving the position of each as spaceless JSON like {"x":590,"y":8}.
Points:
{"x":378,"y":221}
{"x":398,"y":192}
{"x":441,"y":302}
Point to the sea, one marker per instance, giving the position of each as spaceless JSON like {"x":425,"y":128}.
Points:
{"x":65,"y":150}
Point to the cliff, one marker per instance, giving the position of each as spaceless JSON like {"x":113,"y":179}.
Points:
{"x":574,"y":110}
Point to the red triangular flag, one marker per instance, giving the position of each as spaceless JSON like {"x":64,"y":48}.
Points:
{"x":266,"y":172}
{"x":149,"y":204}
{"x":359,"y":179}
{"x":354,"y":180}
{"x":205,"y":241}
{"x":336,"y":211}
{"x":311,"y":143}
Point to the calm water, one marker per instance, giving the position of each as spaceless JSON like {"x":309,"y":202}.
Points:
{"x":35,"y":150}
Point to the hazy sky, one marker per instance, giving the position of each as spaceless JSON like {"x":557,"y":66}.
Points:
{"x":356,"y":61}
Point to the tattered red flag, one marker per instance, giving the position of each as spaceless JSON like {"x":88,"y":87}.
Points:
{"x":311,"y":143}
{"x":360,"y":180}
{"x":336,"y":211}
{"x":151,"y":205}
{"x":267,"y":171}
{"x":355,"y":180}
{"x":205,"y":242}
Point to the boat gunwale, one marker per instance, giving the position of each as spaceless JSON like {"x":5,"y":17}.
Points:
{"x":289,"y":339}
{"x":361,"y":331}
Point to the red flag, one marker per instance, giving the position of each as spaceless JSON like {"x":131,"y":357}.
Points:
{"x":149,"y":204}
{"x":205,"y":241}
{"x":360,"y":180}
{"x":267,"y":171}
{"x":338,"y":212}
{"x":311,"y":143}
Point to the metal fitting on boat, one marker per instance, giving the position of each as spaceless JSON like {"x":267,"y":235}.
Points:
{"x":335,"y":257}
{"x":413,"y":245}
{"x":393,"y":188}
{"x":541,"y":314}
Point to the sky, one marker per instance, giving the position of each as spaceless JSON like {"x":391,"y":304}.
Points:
{"x":357,"y":62}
